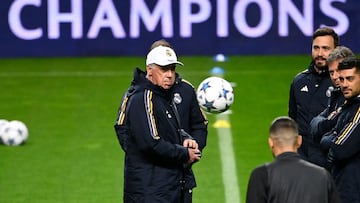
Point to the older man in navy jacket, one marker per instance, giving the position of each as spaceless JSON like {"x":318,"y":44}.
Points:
{"x":162,"y":131}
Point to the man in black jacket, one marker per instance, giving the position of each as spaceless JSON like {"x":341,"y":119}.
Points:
{"x":162,"y":131}
{"x":343,"y":143}
{"x":289,"y":178}
{"x":326,"y":120}
{"x":308,"y":92}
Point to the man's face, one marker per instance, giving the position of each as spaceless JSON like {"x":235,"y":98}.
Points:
{"x":349,"y":82}
{"x":163,"y":76}
{"x":334,"y":72}
{"x":322,"y":46}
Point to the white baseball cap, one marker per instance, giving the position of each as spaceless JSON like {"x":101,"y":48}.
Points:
{"x":162,"y":56}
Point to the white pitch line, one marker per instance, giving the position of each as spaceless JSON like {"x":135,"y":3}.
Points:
{"x":232,"y":194}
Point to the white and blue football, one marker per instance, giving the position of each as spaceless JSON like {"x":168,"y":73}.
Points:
{"x":14,"y":133}
{"x":3,"y":123}
{"x":215,"y":95}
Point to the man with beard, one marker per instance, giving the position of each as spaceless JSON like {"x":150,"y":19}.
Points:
{"x":343,"y":143}
{"x":308,"y":92}
{"x":326,"y":120}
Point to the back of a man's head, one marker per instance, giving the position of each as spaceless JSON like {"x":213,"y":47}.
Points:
{"x":284,"y":132}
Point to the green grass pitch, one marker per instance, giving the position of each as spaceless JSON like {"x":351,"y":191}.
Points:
{"x":70,"y":105}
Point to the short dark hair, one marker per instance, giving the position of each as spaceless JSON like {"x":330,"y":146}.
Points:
{"x":349,"y":63}
{"x":325,"y":31}
{"x":284,"y":131}
{"x":283,"y":122}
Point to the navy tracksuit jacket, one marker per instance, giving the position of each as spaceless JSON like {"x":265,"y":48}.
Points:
{"x":343,"y":145}
{"x":154,"y":155}
{"x":308,"y":99}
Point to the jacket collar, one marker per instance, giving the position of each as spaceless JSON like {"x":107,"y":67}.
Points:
{"x":286,"y":155}
{"x":140,"y":79}
{"x":322,"y":73}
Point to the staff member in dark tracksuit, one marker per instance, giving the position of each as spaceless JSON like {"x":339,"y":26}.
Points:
{"x":155,"y":109}
{"x":343,"y":144}
{"x":308,"y":92}
{"x":326,"y":120}
{"x":289,"y":178}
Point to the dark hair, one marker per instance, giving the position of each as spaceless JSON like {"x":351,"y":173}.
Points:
{"x":283,"y":122}
{"x":349,"y":63}
{"x":324,"y":31}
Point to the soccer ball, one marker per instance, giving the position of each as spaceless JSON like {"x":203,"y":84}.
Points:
{"x":215,"y":94}
{"x":3,"y":122}
{"x":14,"y":133}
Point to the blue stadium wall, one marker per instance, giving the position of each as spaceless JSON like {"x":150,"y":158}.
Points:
{"x":47,"y":28}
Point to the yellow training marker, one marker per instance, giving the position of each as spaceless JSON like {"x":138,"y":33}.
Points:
{"x":221,"y":124}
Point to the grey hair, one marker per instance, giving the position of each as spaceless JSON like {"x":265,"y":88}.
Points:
{"x":152,"y":65}
{"x":340,"y":52}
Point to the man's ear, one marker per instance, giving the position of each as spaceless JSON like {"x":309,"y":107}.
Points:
{"x":271,"y":143}
{"x":298,"y":141}
{"x":148,"y":70}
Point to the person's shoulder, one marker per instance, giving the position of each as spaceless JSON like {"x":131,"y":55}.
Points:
{"x":302,"y":74}
{"x":186,"y":83}
{"x":260,"y":169}
{"x":305,"y":73}
{"x":185,"y":86}
{"x":139,"y":94}
{"x":313,"y":167}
